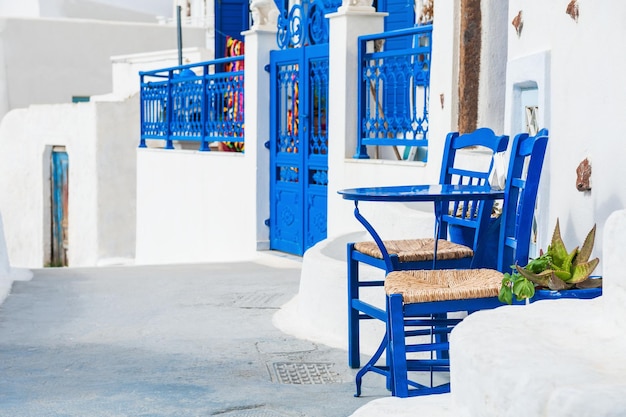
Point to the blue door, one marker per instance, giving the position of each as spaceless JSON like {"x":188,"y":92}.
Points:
{"x":298,"y":148}
{"x":60,"y":193}
{"x":231,"y":18}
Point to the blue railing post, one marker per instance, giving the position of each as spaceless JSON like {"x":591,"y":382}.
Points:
{"x":142,"y":106}
{"x":361,"y":150}
{"x":204,"y":140}
{"x":169,"y":111}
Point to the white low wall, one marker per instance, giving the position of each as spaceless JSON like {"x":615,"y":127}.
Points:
{"x":195,"y":206}
{"x":553,"y":357}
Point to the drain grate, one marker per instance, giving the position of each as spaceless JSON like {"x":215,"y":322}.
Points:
{"x":305,"y":373}
{"x":257,"y":300}
{"x":253,"y":413}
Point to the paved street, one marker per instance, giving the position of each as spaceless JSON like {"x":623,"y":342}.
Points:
{"x":188,"y":340}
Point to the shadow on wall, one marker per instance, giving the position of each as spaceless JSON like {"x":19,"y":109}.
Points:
{"x":8,"y":274}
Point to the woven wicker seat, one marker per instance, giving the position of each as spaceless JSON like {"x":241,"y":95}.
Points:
{"x":441,"y":285}
{"x":416,"y":249}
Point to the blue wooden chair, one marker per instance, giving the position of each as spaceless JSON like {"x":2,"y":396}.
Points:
{"x":424,"y":298}
{"x":399,"y":255}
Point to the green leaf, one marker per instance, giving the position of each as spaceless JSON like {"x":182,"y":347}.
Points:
{"x":585,"y":251}
{"x":562,"y":275}
{"x":567,"y":264}
{"x":556,"y":283}
{"x":590,"y":283}
{"x":540,"y":279}
{"x":539,"y":264}
{"x":582,"y":271}
{"x":557,"y":248}
{"x":523,"y":288}
{"x":505,"y":295}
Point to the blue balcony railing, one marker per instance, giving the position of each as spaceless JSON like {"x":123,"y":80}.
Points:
{"x":199,"y":102}
{"x":394,"y":85}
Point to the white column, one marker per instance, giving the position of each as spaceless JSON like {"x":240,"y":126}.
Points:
{"x":492,"y":82}
{"x":346,"y":25}
{"x":258,"y":43}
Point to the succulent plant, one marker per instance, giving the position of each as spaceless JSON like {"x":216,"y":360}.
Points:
{"x":556,"y":269}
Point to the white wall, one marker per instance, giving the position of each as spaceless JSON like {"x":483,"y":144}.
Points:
{"x":585,"y":109}
{"x":126,"y":67}
{"x":101,"y":204}
{"x":195,"y":206}
{"x":122,"y":10}
{"x":46,"y":61}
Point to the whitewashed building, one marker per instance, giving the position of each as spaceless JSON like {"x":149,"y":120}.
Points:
{"x":536,"y":64}
{"x":55,"y":56}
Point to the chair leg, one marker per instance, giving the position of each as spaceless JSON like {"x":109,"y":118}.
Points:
{"x":354,"y":351}
{"x":397,"y":346}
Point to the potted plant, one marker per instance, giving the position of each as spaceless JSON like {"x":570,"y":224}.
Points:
{"x":556,"y":270}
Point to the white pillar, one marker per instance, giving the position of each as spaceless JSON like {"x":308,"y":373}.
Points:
{"x":345,"y":27}
{"x":492,"y":82}
{"x":258,"y":43}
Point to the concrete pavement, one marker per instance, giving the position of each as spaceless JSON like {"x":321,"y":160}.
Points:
{"x":185,"y":340}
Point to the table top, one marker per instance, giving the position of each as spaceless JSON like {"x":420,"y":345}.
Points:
{"x":435,"y":192}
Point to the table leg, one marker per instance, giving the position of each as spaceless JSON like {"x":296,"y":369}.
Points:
{"x":375,"y":236}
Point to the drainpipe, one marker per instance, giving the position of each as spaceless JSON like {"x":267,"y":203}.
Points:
{"x":180,"y":35}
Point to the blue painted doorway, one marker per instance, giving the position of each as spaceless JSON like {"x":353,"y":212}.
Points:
{"x":59,"y":167}
{"x":298,"y":147}
{"x":231,"y":18}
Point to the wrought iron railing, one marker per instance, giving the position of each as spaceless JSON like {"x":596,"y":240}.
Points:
{"x":394,"y":79}
{"x":305,"y":23}
{"x":199,"y":102}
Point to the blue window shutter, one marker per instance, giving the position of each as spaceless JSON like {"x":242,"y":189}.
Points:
{"x":231,"y":18}
{"x":401,"y":16}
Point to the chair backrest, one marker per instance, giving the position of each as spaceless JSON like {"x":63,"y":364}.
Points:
{"x":520,"y":196}
{"x":474,"y":215}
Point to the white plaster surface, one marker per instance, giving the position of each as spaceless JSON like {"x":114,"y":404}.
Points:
{"x":491,"y":85}
{"x":126,"y":67}
{"x":564,"y":344}
{"x":135,"y":10}
{"x":47,"y":61}
{"x":583,"y":120}
{"x":320,"y":310}
{"x":102,"y":165}
{"x":195,"y":206}
{"x":7,"y":273}
{"x":259,"y":43}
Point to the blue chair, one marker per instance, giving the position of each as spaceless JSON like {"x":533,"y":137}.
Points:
{"x":410,"y":254}
{"x":420,"y":298}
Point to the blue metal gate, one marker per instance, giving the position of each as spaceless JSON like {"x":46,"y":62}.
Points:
{"x":298,"y":148}
{"x":298,"y":129}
